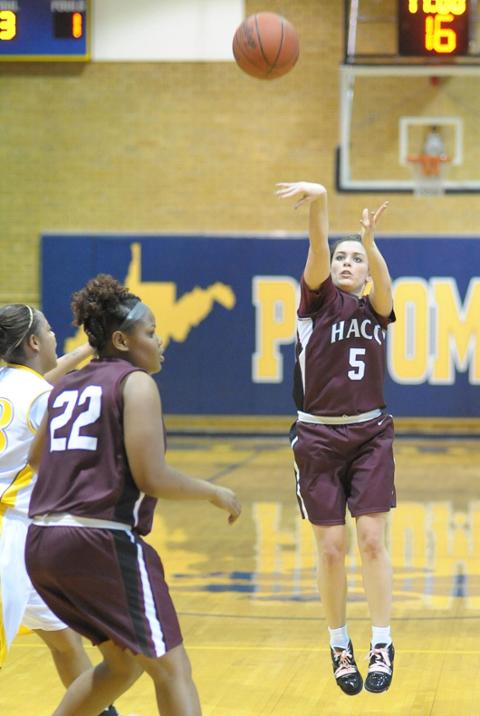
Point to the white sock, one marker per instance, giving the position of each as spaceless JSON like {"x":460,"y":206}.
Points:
{"x":381,"y":635}
{"x":339,"y":637}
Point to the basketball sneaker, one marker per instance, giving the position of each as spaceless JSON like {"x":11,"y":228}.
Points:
{"x":111,"y":711}
{"x":380,"y":668}
{"x":345,"y":670}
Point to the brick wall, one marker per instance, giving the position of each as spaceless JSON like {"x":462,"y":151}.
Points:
{"x":188,"y":147}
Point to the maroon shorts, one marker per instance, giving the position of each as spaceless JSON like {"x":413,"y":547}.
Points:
{"x":106,"y":585}
{"x":340,"y":465}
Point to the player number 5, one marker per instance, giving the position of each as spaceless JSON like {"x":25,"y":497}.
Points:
{"x":357,"y":364}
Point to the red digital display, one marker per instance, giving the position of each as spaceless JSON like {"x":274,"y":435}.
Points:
{"x":433,"y":28}
{"x":68,"y":25}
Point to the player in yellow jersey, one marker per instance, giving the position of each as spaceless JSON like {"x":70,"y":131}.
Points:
{"x":28,"y":347}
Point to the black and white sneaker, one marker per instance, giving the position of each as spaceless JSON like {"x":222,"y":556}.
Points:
{"x":345,"y":670}
{"x":380,"y":669}
{"x":111,"y":711}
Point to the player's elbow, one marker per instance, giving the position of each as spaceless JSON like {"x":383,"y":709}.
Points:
{"x":146,"y":483}
{"x":149,"y":480}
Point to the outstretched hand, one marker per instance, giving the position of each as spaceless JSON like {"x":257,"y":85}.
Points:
{"x":306,"y":190}
{"x":226,"y":499}
{"x":369,"y":221}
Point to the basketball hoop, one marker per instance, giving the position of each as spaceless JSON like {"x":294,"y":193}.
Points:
{"x":428,"y":171}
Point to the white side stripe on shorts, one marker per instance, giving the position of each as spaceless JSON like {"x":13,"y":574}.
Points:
{"x":149,"y":603}
{"x":303,"y":509}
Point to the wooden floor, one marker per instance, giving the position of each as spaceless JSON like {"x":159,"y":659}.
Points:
{"x":247,"y":599}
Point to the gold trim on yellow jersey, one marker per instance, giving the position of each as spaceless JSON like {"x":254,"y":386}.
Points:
{"x":9,"y":496}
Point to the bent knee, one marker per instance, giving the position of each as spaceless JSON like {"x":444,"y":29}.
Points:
{"x":64,"y":641}
{"x":172,"y":666}
{"x":128,"y":670}
{"x":120,"y":662}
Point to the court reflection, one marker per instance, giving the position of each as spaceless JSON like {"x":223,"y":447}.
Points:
{"x":434,"y":550}
{"x":432,"y":546}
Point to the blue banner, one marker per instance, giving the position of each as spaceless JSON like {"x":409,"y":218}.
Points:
{"x":225,"y":308}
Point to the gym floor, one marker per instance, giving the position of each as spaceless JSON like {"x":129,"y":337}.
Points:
{"x":247,"y":601}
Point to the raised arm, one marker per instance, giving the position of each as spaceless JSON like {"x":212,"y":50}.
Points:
{"x":143,"y":431}
{"x":317,"y":267}
{"x":381,"y":293}
{"x":68,"y":362}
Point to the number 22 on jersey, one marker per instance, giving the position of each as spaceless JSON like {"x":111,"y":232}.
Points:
{"x":91,"y":398}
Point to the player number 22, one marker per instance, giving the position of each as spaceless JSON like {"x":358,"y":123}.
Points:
{"x":91,"y":397}
{"x":358,"y":365}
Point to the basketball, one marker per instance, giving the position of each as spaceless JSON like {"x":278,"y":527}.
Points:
{"x":266,"y":46}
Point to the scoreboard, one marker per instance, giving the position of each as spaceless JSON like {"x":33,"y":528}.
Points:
{"x":433,"y":28}
{"x":44,"y":30}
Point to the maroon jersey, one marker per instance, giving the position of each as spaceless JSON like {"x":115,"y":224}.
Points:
{"x":84,"y":469}
{"x":340,"y":353}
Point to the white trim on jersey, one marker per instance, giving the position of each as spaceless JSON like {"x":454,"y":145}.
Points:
{"x":305,"y":330}
{"x":149,"y":603}
{"x":338,"y":419}
{"x":136,"y":508}
{"x":64,"y":519}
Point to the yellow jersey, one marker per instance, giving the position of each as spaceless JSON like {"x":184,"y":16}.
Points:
{"x":23,"y":400}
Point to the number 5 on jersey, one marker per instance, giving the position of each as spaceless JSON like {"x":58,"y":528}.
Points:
{"x":91,"y":397}
{"x":357,"y":364}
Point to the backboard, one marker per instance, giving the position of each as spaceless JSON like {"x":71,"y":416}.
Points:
{"x":390,"y":98}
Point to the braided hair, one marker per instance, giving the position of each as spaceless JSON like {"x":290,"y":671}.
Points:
{"x":101,"y":307}
{"x":18,"y":321}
